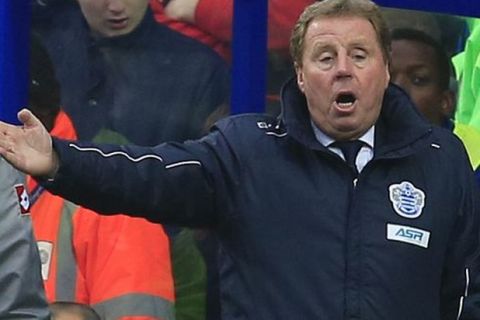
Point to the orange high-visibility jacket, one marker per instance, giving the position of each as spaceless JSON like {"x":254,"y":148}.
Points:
{"x":117,"y":264}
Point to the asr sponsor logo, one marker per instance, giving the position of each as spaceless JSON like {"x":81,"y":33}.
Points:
{"x":407,"y":200}
{"x":408,"y":235}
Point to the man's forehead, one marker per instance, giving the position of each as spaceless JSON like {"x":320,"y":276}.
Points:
{"x":346,"y":28}
{"x":328,"y":39}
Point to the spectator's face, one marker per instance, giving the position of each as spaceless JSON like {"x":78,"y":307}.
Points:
{"x":413,"y":68}
{"x":343,"y":76}
{"x":109,"y":18}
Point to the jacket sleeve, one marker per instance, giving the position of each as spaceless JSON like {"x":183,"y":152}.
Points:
{"x":173,"y":183}
{"x":21,"y":283}
{"x":125,"y":266}
{"x":461,"y":281}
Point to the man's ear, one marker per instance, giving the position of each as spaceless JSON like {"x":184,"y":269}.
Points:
{"x":448,"y":103}
{"x":300,"y":80}
{"x":387,"y":75}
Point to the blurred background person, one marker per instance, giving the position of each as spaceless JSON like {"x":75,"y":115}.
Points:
{"x":118,"y":265}
{"x":215,"y":18}
{"x":122,"y":72}
{"x":421,"y":66}
{"x":127,"y":78}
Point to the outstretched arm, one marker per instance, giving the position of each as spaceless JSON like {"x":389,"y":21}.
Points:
{"x":28,"y":147}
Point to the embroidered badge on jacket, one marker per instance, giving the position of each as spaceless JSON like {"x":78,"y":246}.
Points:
{"x":23,"y":200}
{"x":45,"y":249}
{"x":407,"y":200}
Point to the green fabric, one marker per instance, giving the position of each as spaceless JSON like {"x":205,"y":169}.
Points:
{"x":471,"y":139}
{"x":190,"y":276}
{"x":467,"y":65}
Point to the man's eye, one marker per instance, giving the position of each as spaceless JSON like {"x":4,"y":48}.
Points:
{"x":420,"y":80}
{"x":326,"y":59}
{"x":359,"y":57}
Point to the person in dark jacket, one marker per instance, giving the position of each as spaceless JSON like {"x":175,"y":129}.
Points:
{"x":123,"y":75}
{"x":308,"y":229}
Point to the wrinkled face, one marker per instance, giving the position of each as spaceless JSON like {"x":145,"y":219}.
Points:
{"x":414,"y":68}
{"x":343,"y":76}
{"x":109,"y":18}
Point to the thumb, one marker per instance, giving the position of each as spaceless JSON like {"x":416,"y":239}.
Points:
{"x":28,"y":118}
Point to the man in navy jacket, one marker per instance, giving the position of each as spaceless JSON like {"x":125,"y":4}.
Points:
{"x":303,"y":234}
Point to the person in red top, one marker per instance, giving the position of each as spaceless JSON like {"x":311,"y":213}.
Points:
{"x":191,"y":30}
{"x":120,"y":266}
{"x":210,"y":22}
{"x":215,"y":17}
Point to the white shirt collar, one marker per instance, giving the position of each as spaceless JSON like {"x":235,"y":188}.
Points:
{"x":368,"y":137}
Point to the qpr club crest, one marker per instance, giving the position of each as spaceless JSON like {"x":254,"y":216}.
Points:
{"x":407,"y":200}
{"x":23,"y":200}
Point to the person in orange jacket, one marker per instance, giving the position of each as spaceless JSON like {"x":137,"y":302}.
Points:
{"x":118,"y":265}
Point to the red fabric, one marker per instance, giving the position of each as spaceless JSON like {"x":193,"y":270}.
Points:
{"x":114,"y":255}
{"x":190,"y":30}
{"x":216,"y":16}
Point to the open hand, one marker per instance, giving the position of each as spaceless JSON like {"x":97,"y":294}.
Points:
{"x":29,"y":147}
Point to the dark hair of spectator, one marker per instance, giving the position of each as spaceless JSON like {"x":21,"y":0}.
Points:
{"x":44,"y":89}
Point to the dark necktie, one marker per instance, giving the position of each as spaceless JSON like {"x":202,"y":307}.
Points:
{"x":350,"y":150}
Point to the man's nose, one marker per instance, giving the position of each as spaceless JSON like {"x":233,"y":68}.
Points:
{"x":344,"y":66}
{"x":116,"y":5}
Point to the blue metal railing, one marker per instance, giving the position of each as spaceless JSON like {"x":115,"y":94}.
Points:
{"x":249,"y":49}
{"x":14,"y":57}
{"x":249,"y":56}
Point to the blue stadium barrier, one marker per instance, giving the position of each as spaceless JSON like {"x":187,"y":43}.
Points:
{"x":14,"y":57}
{"x":249,"y":49}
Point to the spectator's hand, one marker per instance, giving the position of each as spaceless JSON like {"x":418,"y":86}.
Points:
{"x":183,"y":10}
{"x":29,"y":147}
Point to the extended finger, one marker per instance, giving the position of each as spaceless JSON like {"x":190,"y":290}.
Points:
{"x":28,"y":118}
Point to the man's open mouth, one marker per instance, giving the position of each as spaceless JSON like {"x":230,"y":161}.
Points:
{"x":345,"y":99}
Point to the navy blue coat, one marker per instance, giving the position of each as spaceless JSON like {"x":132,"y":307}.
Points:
{"x":298,"y":239}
